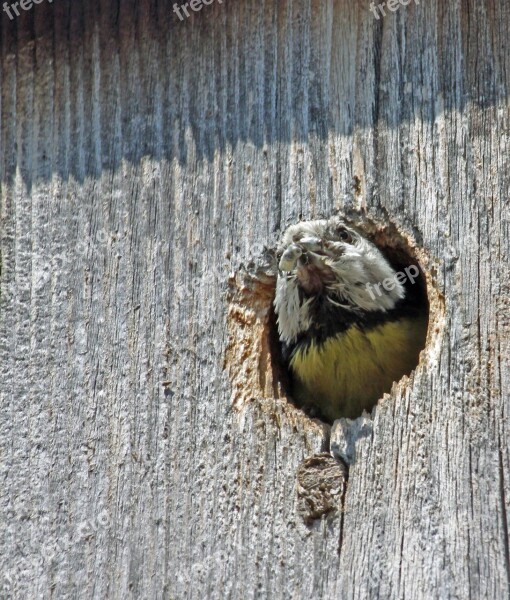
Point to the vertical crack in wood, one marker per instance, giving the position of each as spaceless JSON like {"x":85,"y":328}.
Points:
{"x":342,"y":511}
{"x":504,"y":516}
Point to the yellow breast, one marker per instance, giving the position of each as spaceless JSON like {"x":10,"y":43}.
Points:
{"x":350,"y":371}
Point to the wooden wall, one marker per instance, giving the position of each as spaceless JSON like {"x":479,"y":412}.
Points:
{"x":145,"y":162}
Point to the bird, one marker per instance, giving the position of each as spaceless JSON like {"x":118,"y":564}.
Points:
{"x":349,"y":323}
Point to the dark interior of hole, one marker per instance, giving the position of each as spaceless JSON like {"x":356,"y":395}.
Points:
{"x":278,"y":366}
{"x":400,"y":260}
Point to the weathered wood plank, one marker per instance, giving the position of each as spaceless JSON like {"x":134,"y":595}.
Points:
{"x":145,"y":162}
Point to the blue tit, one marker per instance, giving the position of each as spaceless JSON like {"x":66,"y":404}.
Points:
{"x":350,"y":324}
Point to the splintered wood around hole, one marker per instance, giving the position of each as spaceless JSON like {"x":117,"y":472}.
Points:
{"x":252,"y":350}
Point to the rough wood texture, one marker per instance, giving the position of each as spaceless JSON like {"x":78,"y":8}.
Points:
{"x":144,"y":160}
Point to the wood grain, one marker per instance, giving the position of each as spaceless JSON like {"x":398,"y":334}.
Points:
{"x":145,"y":162}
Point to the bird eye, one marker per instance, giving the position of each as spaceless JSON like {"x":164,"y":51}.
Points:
{"x":344,"y":235}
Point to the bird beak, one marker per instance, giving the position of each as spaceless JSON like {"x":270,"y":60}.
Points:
{"x":306,"y":252}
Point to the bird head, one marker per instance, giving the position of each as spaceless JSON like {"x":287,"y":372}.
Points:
{"x":329,"y":262}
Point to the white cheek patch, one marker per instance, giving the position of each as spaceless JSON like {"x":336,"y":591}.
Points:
{"x":359,"y":271}
{"x":293,"y":315}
